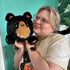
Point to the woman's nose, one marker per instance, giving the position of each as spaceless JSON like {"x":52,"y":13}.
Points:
{"x":36,"y":21}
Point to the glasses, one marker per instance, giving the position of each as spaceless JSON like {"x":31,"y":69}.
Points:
{"x":42,"y":20}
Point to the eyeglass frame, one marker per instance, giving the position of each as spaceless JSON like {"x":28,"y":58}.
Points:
{"x":42,"y":20}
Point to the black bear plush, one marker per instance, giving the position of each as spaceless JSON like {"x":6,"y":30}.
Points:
{"x":20,"y":28}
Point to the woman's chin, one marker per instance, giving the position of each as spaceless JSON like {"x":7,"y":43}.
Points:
{"x":36,"y":31}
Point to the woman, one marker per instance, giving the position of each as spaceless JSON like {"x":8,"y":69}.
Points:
{"x":53,"y":47}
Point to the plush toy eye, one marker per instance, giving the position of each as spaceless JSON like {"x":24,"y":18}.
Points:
{"x":22,"y":24}
{"x":27,"y":24}
{"x":16,"y":25}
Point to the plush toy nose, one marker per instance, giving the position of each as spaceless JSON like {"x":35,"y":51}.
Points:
{"x":22,"y":24}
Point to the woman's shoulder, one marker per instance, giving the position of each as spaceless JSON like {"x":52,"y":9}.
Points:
{"x":54,"y":37}
{"x":57,"y":37}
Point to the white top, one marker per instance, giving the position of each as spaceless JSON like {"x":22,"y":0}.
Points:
{"x":55,"y":49}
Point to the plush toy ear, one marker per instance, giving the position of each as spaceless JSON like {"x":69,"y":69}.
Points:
{"x":9,"y":16}
{"x":27,"y":15}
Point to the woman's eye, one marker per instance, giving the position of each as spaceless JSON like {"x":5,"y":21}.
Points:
{"x":44,"y":20}
{"x":22,"y":24}
{"x":37,"y":17}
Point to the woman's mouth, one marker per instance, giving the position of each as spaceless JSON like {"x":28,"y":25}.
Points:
{"x":36,"y":27}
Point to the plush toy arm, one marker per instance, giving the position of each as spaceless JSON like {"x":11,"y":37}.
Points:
{"x":9,"y":39}
{"x":32,"y":40}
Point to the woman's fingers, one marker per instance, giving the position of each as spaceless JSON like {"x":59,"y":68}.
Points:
{"x":28,"y":46}
{"x":19,"y":44}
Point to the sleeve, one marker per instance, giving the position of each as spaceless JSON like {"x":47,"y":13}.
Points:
{"x":58,"y":53}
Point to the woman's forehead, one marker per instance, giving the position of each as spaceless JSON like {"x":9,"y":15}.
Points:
{"x":44,"y":14}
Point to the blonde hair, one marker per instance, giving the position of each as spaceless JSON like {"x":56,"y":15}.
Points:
{"x":54,"y":15}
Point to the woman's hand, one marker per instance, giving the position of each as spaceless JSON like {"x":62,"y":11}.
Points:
{"x":20,"y":45}
{"x":28,"y":46}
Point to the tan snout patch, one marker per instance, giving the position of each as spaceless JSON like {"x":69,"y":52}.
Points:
{"x":23,"y":31}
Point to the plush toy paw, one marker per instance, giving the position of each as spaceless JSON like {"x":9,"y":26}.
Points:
{"x":9,"y":39}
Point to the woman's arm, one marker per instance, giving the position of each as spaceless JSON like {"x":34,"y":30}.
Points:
{"x":19,"y":54}
{"x":40,"y":64}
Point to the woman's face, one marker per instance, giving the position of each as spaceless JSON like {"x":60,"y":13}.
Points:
{"x":41,"y":24}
